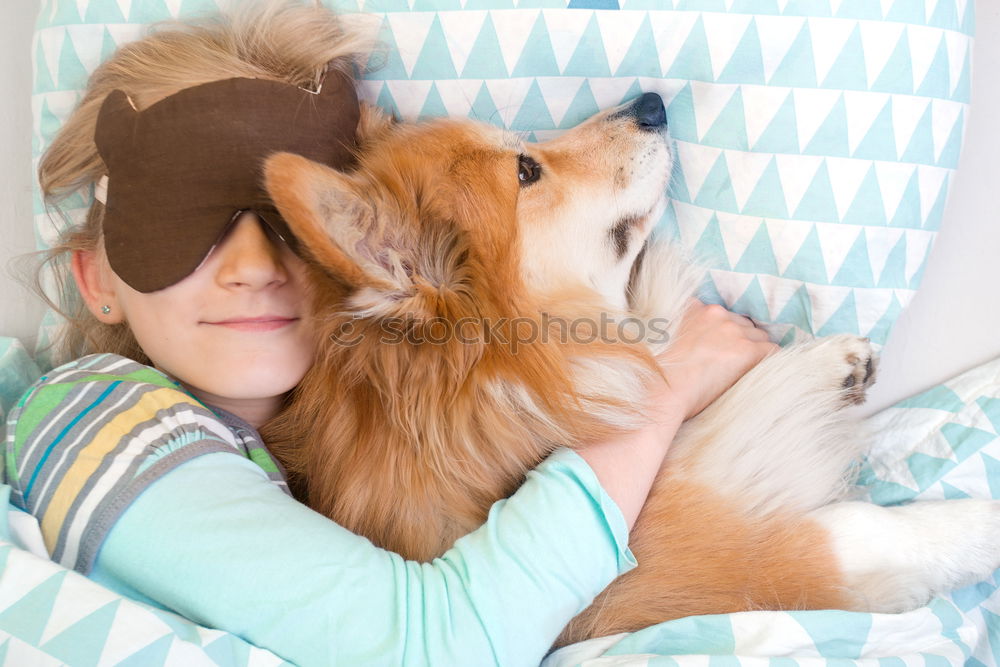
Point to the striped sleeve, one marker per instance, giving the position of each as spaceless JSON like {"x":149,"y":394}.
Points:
{"x":88,"y":438}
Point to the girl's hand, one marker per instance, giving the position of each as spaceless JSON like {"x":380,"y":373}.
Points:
{"x":713,"y":349}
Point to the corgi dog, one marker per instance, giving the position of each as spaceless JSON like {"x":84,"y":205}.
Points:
{"x":481,"y":301}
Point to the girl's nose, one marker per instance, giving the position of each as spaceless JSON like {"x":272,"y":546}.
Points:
{"x":248,"y":257}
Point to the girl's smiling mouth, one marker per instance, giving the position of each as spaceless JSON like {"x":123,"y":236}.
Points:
{"x":261,"y":323}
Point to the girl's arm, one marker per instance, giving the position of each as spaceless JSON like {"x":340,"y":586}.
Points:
{"x":219,"y":543}
{"x":143,"y":489}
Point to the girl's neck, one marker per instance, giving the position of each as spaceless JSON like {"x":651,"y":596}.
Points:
{"x":254,"y":411}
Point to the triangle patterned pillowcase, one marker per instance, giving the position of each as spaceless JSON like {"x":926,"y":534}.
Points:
{"x":816,"y":139}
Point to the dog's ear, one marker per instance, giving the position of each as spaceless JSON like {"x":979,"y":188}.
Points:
{"x":332,"y":222}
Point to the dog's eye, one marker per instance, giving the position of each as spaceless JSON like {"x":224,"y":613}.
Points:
{"x":528,"y":171}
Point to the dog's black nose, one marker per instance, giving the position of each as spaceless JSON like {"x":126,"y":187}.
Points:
{"x":649,"y":112}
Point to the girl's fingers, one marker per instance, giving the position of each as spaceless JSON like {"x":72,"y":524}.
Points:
{"x":752,"y":331}
{"x":743,"y":320}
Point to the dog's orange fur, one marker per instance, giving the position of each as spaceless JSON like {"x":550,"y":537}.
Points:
{"x":409,"y":445}
{"x":698,"y":554}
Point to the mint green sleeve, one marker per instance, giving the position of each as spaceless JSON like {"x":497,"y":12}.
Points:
{"x":217,"y":542}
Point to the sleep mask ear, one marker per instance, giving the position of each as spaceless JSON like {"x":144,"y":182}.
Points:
{"x":180,"y":170}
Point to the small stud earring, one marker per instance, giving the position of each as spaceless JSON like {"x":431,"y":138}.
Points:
{"x":106,"y":310}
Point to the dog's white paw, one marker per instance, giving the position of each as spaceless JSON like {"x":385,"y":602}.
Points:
{"x":852,"y":363}
{"x":862,"y":364}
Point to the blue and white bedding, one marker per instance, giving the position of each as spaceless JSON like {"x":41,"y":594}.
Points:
{"x":53,"y":616}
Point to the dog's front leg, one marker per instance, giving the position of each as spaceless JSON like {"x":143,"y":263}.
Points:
{"x":779,"y":439}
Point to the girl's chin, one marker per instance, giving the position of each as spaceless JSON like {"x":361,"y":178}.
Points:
{"x":254,"y":379}
{"x":258,"y":385}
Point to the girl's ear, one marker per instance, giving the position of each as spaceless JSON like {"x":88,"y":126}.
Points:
{"x":94,"y":280}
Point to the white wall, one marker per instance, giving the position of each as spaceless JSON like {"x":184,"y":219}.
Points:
{"x":952,"y":324}
{"x":19,"y":309}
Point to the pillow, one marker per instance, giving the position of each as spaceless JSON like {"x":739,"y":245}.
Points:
{"x":816,"y":139}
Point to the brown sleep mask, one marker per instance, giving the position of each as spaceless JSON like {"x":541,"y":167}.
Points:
{"x":181,"y":170}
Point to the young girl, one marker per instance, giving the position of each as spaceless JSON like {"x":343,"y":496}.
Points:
{"x":142,"y":460}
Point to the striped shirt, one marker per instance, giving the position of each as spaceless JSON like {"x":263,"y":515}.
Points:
{"x":86,"y":439}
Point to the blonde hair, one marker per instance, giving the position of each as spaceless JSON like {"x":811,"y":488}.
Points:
{"x":283,"y":40}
